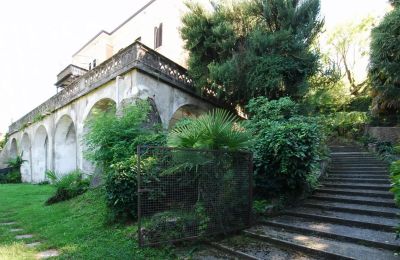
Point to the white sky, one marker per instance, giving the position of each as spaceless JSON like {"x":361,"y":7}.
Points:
{"x":39,"y":37}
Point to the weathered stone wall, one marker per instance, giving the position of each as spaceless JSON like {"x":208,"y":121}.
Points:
{"x":386,"y":134}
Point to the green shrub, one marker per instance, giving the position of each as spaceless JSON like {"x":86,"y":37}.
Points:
{"x":395,"y":179}
{"x":51,"y":176}
{"x":215,"y":130}
{"x":121,"y":188}
{"x":396,"y":149}
{"x":345,"y":124}
{"x":14,"y":175}
{"x":69,"y":186}
{"x":286,"y":149}
{"x":114,"y":138}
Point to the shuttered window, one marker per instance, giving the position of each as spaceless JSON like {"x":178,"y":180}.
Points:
{"x":158,"y":36}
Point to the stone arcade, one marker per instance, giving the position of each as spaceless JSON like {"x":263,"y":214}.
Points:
{"x":50,"y":136}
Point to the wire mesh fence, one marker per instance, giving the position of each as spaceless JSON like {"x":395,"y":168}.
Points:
{"x":190,"y":193}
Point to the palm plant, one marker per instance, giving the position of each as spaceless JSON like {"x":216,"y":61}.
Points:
{"x":16,"y":162}
{"x":215,"y":130}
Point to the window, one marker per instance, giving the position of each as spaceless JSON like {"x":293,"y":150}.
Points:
{"x":94,"y":63}
{"x":90,"y":65}
{"x":158,"y":36}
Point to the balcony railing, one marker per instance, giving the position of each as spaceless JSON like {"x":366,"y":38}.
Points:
{"x":71,"y":72}
{"x":136,"y":56}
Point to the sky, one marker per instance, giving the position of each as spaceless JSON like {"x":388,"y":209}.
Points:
{"x":39,"y":37}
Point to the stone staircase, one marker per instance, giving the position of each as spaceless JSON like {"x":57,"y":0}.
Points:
{"x":351,"y":216}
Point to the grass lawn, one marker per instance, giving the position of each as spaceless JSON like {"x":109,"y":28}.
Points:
{"x":76,"y":228}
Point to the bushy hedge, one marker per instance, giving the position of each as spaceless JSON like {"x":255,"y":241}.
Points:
{"x":287,"y":146}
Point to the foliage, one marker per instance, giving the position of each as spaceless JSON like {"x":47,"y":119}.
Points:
{"x":349,"y":49}
{"x":261,"y":207}
{"x":16,"y":162}
{"x":286,"y":149}
{"x":396,"y":149}
{"x":172,"y":225}
{"x":14,"y":175}
{"x":251,"y":48}
{"x":384,"y":68}
{"x":215,"y":130}
{"x":113,"y":138}
{"x":74,"y":227}
{"x":69,"y":186}
{"x":4,"y":141}
{"x":345,"y":124}
{"x":395,"y":179}
{"x":38,"y":117}
{"x":51,"y":176}
{"x":121,"y":188}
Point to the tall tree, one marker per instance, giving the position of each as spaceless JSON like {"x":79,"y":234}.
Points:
{"x":251,"y":48}
{"x":349,"y":49}
{"x":385,"y":66}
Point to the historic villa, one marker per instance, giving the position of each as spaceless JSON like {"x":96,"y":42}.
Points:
{"x":143,"y":58}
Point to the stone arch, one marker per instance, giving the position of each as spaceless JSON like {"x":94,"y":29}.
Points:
{"x":185,"y":111}
{"x":97,"y":104}
{"x":13,"y":152}
{"x":105,"y":105}
{"x":65,"y":146}
{"x":26,"y":167}
{"x":40,"y":154}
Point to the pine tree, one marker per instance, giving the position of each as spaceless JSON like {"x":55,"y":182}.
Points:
{"x":252,"y":48}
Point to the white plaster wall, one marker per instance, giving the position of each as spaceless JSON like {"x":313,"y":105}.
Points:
{"x":40,"y":154}
{"x":26,"y":167}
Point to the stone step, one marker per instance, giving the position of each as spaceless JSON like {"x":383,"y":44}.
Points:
{"x":244,"y":247}
{"x":356,"y":186}
{"x":354,"y":156}
{"x":365,"y":236}
{"x":366,"y":174}
{"x":367,"y":193}
{"x":356,"y":160}
{"x":345,"y":218}
{"x":360,"y":168}
{"x":357,"y":176}
{"x":355,"y":171}
{"x":326,"y":247}
{"x":362,"y":200}
{"x":369,"y":210}
{"x":358,"y":180}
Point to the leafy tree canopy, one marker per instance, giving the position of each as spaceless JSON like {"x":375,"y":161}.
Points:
{"x":251,"y":48}
{"x":385,"y":66}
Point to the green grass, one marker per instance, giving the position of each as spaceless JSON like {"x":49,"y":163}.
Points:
{"x":76,"y":228}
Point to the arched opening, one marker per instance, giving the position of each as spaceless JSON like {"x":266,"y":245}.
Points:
{"x":100,"y":107}
{"x":65,"y":146}
{"x":13,"y":152}
{"x":26,"y":173}
{"x":185,"y":111}
{"x":40,"y":154}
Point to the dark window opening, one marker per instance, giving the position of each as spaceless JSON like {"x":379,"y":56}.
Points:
{"x":94,"y":63}
{"x":158,"y":36}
